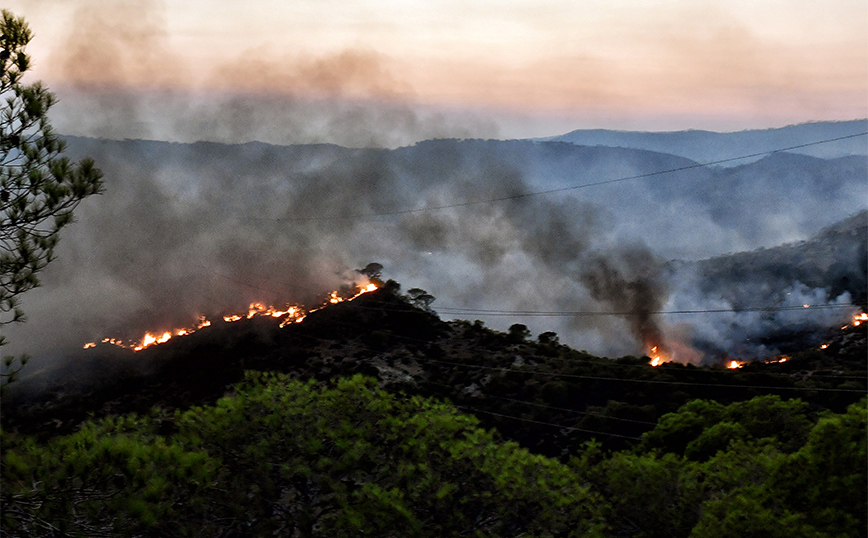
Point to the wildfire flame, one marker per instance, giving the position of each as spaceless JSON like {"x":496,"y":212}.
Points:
{"x":657,"y":356}
{"x":290,"y":313}
{"x":858,"y":319}
{"x":734,"y":364}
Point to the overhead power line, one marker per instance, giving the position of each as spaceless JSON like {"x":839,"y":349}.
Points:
{"x":592,"y":313}
{"x":567,"y":188}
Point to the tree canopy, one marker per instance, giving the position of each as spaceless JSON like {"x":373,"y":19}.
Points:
{"x":285,"y":457}
{"x":39,"y":187}
{"x":293,"y":458}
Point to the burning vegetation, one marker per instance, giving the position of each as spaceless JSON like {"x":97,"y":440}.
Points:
{"x":289,"y":314}
{"x":859,"y":320}
{"x":658,"y":356}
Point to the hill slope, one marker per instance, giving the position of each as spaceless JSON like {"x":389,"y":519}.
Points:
{"x":546,"y":395}
{"x":707,"y":146}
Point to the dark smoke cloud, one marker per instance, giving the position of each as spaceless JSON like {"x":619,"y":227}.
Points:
{"x":630,"y":279}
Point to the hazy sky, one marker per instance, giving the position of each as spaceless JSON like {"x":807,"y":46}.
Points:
{"x":534,"y":66}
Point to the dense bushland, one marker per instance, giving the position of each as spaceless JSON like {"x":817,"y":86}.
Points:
{"x":281,"y":456}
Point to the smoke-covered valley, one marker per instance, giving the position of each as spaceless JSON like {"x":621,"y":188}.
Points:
{"x":206,"y":228}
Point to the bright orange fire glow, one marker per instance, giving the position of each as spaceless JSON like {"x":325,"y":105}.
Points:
{"x":658,"y":356}
{"x":861,"y":318}
{"x":734,"y":364}
{"x":290,"y":313}
{"x":150,"y":340}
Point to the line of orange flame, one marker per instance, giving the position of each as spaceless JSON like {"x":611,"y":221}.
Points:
{"x":658,"y":358}
{"x":291,"y":314}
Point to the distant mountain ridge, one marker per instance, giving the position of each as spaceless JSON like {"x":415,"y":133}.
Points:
{"x":707,"y":146}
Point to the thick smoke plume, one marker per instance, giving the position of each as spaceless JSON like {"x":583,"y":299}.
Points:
{"x":630,"y":280}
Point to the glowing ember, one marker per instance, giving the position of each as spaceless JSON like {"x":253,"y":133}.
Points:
{"x":290,"y":313}
{"x":861,"y":318}
{"x":824,"y":346}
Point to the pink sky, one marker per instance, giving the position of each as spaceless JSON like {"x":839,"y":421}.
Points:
{"x":527,"y":67}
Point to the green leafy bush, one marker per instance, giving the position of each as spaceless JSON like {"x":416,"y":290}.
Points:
{"x":286,"y":457}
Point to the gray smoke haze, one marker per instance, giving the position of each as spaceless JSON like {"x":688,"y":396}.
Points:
{"x":829,"y":268}
{"x":206,"y":228}
{"x":184,"y":230}
{"x":123,"y":79}
{"x":190,"y":229}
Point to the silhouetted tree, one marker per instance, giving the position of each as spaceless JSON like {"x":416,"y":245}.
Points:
{"x":549,"y":338}
{"x":518,"y":332}
{"x":373,"y":271}
{"x":420,"y":298}
{"x":39,"y":188}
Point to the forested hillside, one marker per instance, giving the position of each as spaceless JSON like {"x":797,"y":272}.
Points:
{"x":455,"y":429}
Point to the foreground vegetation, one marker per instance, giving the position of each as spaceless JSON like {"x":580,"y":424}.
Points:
{"x":281,"y":456}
